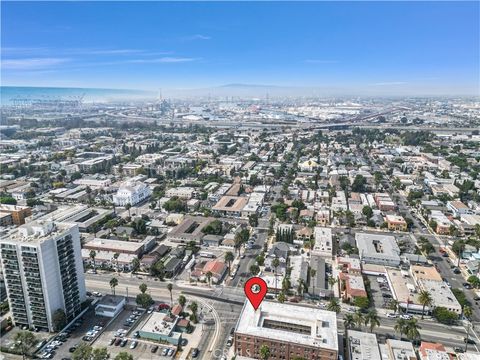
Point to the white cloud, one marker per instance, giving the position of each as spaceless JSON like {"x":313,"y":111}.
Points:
{"x":197,"y":37}
{"x":32,"y":63}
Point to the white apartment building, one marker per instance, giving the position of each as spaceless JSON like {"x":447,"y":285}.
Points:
{"x":43,"y":271}
{"x":323,"y":242}
{"x":182,"y":192}
{"x":131,"y":193}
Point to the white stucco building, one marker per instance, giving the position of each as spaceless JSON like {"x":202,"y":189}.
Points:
{"x":131,"y":193}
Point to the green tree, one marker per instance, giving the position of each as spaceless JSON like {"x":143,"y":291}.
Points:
{"x":193,"y":306}
{"x":93,"y":255}
{"x":264,"y":352}
{"x":474,"y":281}
{"x":348,"y":321}
{"x":170,"y":289}
{"x":144,"y":300}
{"x":124,"y":356}
{"x":229,"y":257}
{"x":253,"y":220}
{"x":24,"y":341}
{"x":313,"y":274}
{"x":281,"y":297}
{"x":334,"y":305}
{"x":59,"y":319}
{"x":372,"y":319}
{"x":412,"y":329}
{"x":275,"y":264}
{"x":128,"y":207}
{"x":425,"y":299}
{"x":445,"y":316}
{"x":100,"y":354}
{"x":367,"y":211}
{"x":113,"y":284}
{"x":359,"y":319}
{"x":254,"y":269}
{"x":362,"y":302}
{"x":182,"y":300}
{"x":394,"y":305}
{"x":82,"y":352}
{"x":209,"y":277}
{"x":135,"y":264}
{"x":143,"y":288}
{"x":400,"y":327}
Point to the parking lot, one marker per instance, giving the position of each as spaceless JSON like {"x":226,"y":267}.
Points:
{"x":380,"y":291}
{"x":120,"y":335}
{"x":77,"y":332}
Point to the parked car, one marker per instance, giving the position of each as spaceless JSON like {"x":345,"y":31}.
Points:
{"x":154,"y":349}
{"x":164,"y":352}
{"x":392,"y":316}
{"x":133,"y":345}
{"x":458,"y":349}
{"x":170,"y":352}
{"x":469,"y":340}
{"x":467,"y":286}
{"x":118,"y":341}
{"x":195,"y":352}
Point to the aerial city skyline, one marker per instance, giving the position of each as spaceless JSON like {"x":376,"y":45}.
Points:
{"x":358,"y":48}
{"x":240,"y":180}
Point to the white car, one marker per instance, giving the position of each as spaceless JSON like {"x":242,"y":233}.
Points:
{"x":406,"y":317}
{"x":133,"y":345}
{"x":392,"y":316}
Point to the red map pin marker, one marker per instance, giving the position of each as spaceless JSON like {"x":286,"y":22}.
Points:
{"x":255,"y":290}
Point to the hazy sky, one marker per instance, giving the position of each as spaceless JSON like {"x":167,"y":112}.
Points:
{"x":428,"y":47}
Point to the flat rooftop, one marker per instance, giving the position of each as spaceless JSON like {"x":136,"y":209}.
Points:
{"x":156,"y":324}
{"x":425,"y":272}
{"x":113,"y":245}
{"x":36,"y":232}
{"x":290,"y":323}
{"x":363,"y":346}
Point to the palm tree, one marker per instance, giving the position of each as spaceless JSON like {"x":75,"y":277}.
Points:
{"x":264,"y":352}
{"x":116,"y":256}
{"x":193,"y":306}
{"x":425,"y":299}
{"x":348,"y":321}
{"x":24,"y":340}
{"x":393,"y":305}
{"x":400,"y":327}
{"x":333,"y":305}
{"x":113,"y":284}
{"x":209,"y":277}
{"x":313,"y":273}
{"x":229,"y":257}
{"x":275,"y":263}
{"x":359,"y":319}
{"x":411,"y":329}
{"x":135,"y":264}
{"x":373,"y":319}
{"x":300,"y":287}
{"x":93,"y":255}
{"x":467,"y":313}
{"x":128,"y":207}
{"x":332,"y":281}
{"x":170,"y":288}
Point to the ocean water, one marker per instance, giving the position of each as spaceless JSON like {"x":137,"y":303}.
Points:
{"x":8,"y":93}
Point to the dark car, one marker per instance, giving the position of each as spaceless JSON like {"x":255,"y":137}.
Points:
{"x":467,"y":286}
{"x":195,"y":352}
{"x":72,"y":349}
{"x":470,"y":341}
{"x":123,"y":343}
{"x":154,"y":349}
{"x":456,"y":270}
{"x":118,"y":341}
{"x":458,"y":349}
